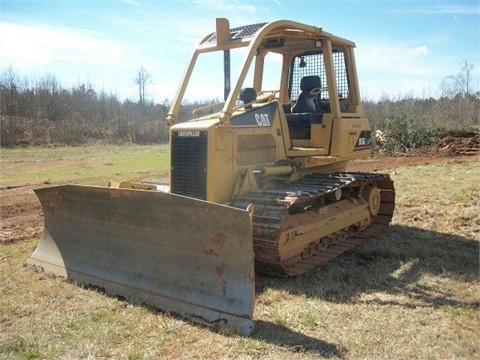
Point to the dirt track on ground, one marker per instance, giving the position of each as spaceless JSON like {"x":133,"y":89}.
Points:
{"x":21,"y":214}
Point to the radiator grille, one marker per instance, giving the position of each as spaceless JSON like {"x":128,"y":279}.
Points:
{"x":189,"y":164}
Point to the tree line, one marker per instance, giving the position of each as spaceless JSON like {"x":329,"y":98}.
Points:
{"x":410,"y":123}
{"x":43,"y":112}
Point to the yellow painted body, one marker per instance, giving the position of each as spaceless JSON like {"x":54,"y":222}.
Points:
{"x":180,"y":253}
{"x":242,"y":154}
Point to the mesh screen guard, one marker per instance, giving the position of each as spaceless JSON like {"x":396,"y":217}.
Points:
{"x":313,"y":64}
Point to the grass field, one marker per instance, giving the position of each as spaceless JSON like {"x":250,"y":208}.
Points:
{"x":410,"y":293}
{"x":92,"y":165}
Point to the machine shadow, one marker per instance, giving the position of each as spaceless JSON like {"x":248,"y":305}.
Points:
{"x":391,"y":263}
{"x":284,"y":337}
{"x":265,"y":331}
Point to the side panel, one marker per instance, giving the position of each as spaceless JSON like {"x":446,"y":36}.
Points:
{"x":259,"y":136}
{"x":351,"y":138}
{"x":178,"y":254}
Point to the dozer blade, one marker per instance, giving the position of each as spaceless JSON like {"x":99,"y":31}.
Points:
{"x":178,"y":254}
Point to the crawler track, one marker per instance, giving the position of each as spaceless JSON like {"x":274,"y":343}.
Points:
{"x":278,"y":211}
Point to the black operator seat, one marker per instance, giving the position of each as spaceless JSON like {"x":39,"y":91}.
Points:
{"x":247,"y":95}
{"x":305,"y":102}
{"x":304,"y":113}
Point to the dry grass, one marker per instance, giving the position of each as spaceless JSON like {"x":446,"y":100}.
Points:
{"x":92,"y":165}
{"x":412,"y":292}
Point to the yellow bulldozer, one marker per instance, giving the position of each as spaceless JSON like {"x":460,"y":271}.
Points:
{"x":257,"y":183}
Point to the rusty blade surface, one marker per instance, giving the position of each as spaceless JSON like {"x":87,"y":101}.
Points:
{"x":179,"y":254}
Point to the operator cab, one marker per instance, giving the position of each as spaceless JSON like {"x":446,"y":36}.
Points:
{"x":308,"y":92}
{"x":315,"y":83}
{"x":296,"y":83}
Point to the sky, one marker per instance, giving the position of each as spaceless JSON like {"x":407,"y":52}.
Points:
{"x":404,"y":48}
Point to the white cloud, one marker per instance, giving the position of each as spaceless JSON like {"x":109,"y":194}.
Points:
{"x":453,"y":9}
{"x":132,"y":2}
{"x":227,"y":6}
{"x":398,"y":69}
{"x":33,"y":45}
{"x":456,"y":9}
{"x":396,"y":59}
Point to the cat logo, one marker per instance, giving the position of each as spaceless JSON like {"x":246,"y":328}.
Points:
{"x":256,"y":117}
{"x":262,"y":119}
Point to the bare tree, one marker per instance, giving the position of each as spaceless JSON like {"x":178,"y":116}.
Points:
{"x":142,"y":80}
{"x":10,"y":87}
{"x":9,"y":104}
{"x":459,"y":84}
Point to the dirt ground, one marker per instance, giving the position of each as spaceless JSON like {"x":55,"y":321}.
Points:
{"x":21,"y":214}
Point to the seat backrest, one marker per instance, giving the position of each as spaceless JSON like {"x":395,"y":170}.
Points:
{"x":305,"y":102}
{"x":247,"y":95}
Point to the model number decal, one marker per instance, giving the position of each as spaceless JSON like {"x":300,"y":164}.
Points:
{"x":364,"y":141}
{"x":189,"y":133}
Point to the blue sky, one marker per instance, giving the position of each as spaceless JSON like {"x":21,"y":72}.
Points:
{"x":403,"y":47}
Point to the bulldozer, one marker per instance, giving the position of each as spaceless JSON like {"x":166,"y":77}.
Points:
{"x":258,"y":183}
